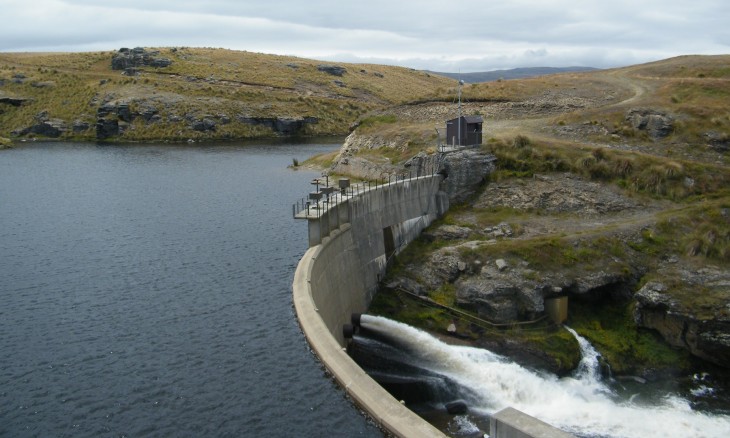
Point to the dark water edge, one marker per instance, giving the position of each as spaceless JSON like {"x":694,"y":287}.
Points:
{"x":145,"y":290}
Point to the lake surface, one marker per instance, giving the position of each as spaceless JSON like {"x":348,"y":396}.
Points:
{"x":146,"y":291}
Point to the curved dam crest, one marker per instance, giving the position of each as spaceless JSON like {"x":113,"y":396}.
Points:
{"x":339,"y":275}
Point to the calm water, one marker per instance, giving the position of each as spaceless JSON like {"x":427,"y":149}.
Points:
{"x":146,"y":291}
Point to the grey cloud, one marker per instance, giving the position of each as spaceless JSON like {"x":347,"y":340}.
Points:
{"x":462,"y":34}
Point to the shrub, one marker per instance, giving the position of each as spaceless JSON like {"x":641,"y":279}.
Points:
{"x":585,"y":162}
{"x":599,"y":154}
{"x":623,"y":167}
{"x":520,"y":141}
{"x":600,"y":170}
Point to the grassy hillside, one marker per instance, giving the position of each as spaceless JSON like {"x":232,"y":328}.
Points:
{"x":222,"y":85}
{"x":656,"y":136}
{"x":588,"y":108}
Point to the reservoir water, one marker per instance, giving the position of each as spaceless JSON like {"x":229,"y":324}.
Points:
{"x":146,"y":291}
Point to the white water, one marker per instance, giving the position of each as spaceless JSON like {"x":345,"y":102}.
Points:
{"x":581,"y":404}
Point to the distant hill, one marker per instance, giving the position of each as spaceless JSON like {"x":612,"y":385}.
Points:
{"x":182,"y":93}
{"x":515,"y":73}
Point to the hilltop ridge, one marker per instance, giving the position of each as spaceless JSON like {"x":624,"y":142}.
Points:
{"x":176,"y":94}
{"x":513,"y":73}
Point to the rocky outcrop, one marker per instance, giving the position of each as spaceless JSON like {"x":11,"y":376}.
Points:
{"x":80,"y":126}
{"x":448,"y":232}
{"x":334,"y":70}
{"x":688,"y":304}
{"x":108,"y":116}
{"x":464,"y":170}
{"x":14,"y":101}
{"x":703,"y":332}
{"x":657,"y":124}
{"x":504,"y":291}
{"x":347,"y":161}
{"x":114,"y":114}
{"x":138,"y":57}
{"x":107,"y":128}
{"x":718,"y":141}
{"x":203,"y":125}
{"x":44,"y":125}
{"x":281,"y":125}
{"x":556,"y":193}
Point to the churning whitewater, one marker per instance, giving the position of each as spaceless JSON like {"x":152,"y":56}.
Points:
{"x":581,"y":404}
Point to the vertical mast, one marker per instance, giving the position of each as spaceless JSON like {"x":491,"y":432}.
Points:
{"x":459,"y":134}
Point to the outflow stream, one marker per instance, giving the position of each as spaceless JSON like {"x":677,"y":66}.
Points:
{"x":583,"y":404}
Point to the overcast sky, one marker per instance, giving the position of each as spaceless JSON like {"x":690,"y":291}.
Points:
{"x":448,"y":35}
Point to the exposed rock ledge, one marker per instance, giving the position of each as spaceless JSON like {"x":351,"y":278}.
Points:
{"x":687,"y":305}
{"x":705,"y":332}
{"x":465,"y":170}
{"x":348,"y":163}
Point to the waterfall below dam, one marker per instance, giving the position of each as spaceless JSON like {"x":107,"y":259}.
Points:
{"x":412,"y":363}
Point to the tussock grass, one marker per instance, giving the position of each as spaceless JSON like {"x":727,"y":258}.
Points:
{"x":641,"y":173}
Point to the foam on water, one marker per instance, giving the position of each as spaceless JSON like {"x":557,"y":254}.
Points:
{"x":581,"y":404}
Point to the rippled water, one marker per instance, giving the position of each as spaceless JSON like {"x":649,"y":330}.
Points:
{"x":146,"y":291}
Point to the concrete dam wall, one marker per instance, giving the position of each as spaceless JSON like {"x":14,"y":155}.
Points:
{"x":350,"y":243}
{"x":352,"y":235}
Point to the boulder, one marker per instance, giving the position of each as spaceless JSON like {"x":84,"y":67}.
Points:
{"x":126,"y":59}
{"x":658,"y":124}
{"x":502,"y":229}
{"x":456,"y":407}
{"x":19,"y":78}
{"x":333,"y":70}
{"x":464,"y":172}
{"x":204,"y":125}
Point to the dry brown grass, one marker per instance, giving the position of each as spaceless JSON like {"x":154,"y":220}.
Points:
{"x":204,"y":81}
